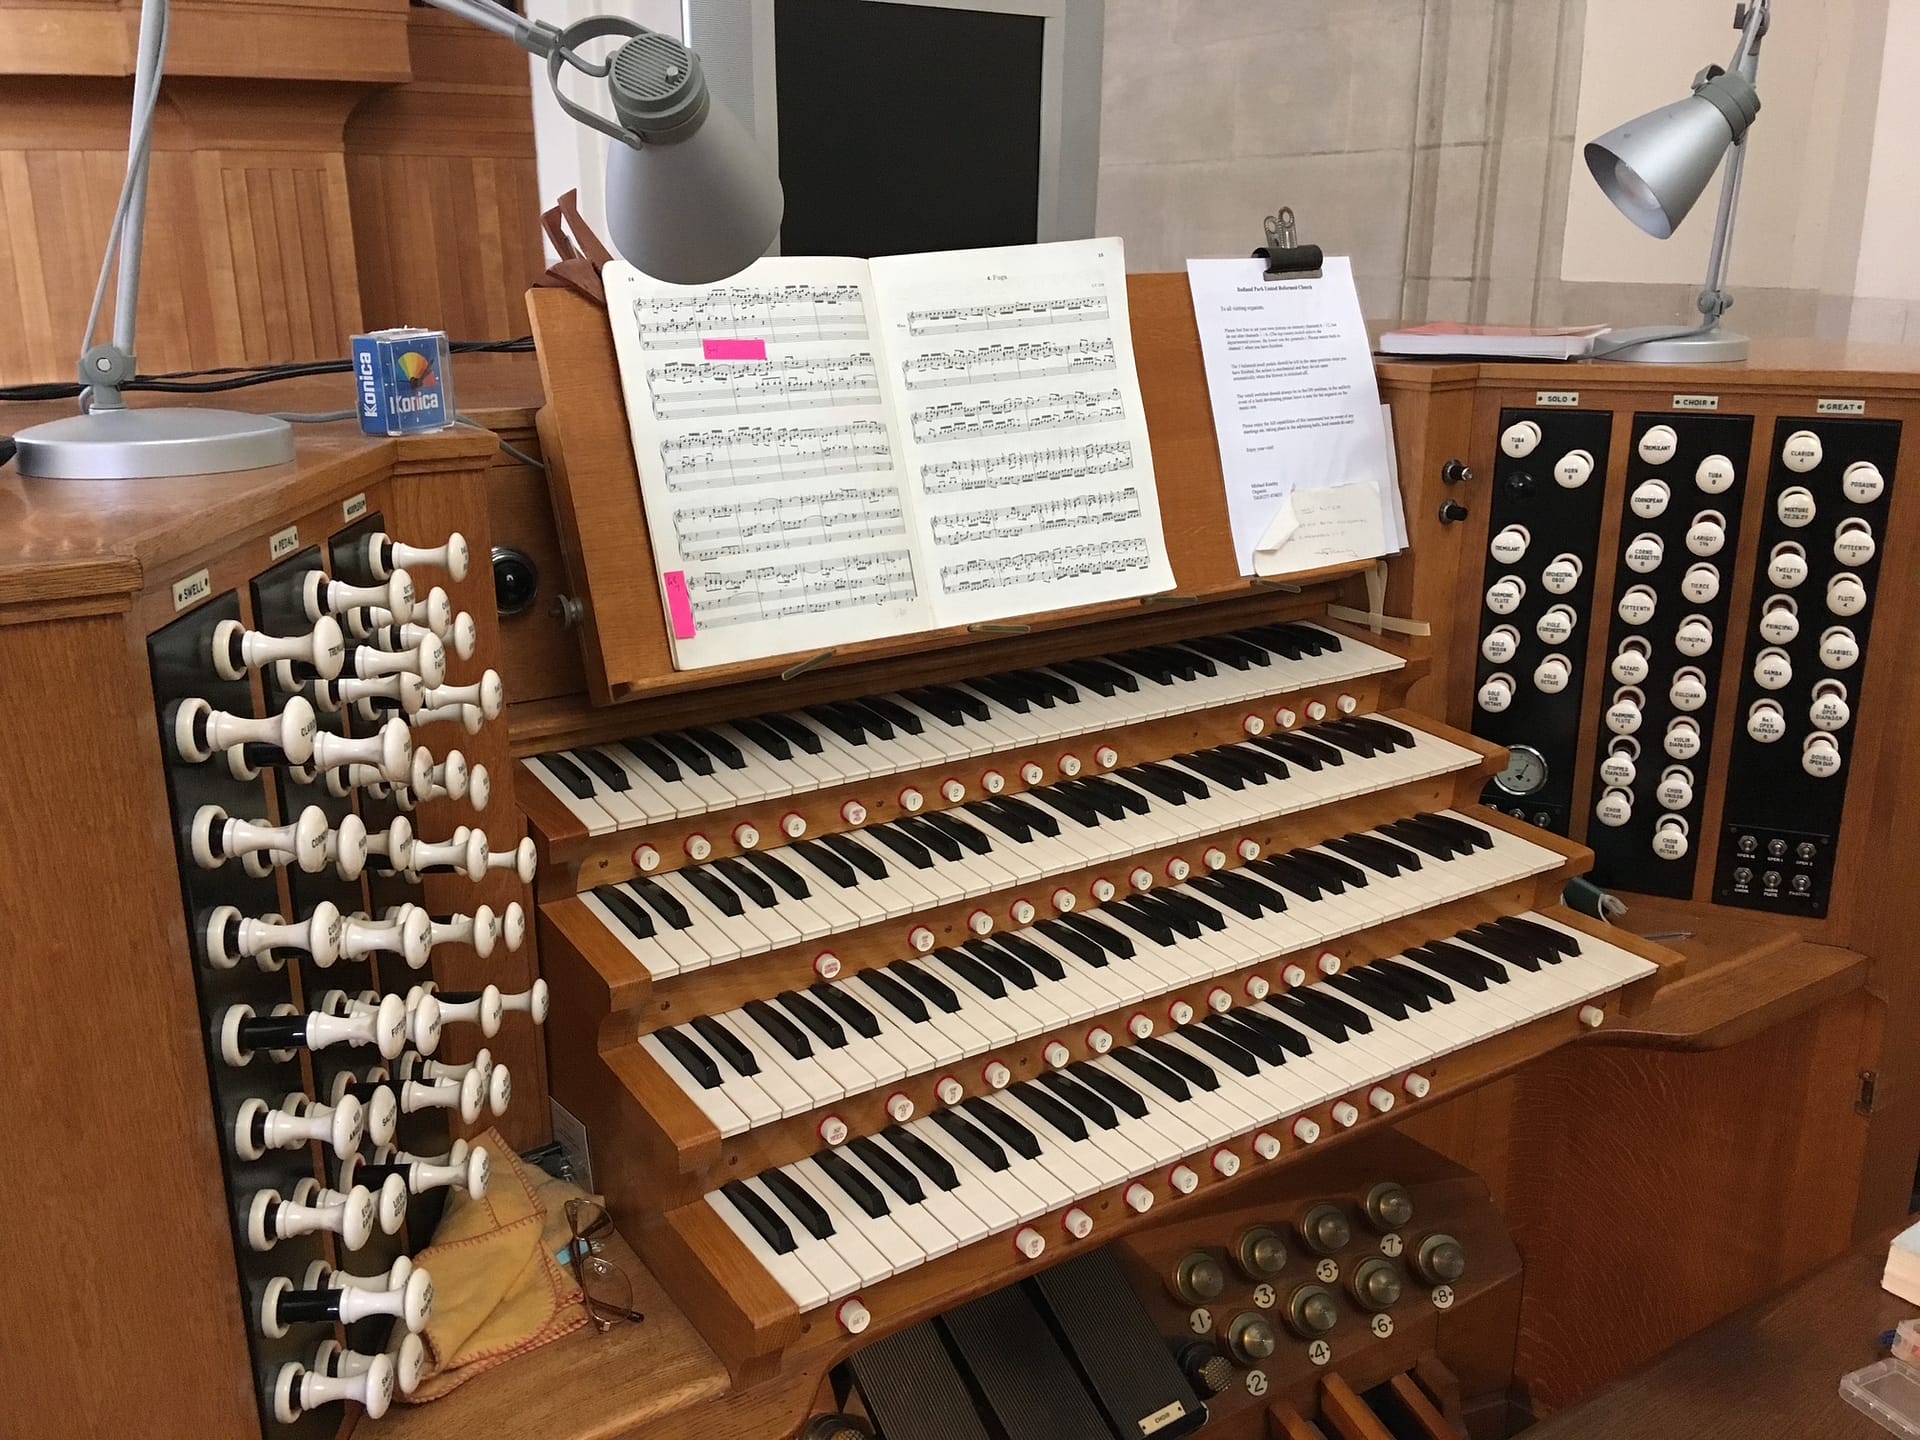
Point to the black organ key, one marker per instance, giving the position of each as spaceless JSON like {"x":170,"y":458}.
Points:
{"x":1247,"y":1037}
{"x":1558,"y":941}
{"x":1034,"y":815}
{"x":839,"y":721}
{"x":629,"y":911}
{"x":1412,"y":977}
{"x":1033,"y":956}
{"x":788,"y":1036}
{"x":654,"y":758}
{"x":930,"y":837}
{"x":1110,"y":1088}
{"x":770,"y":1227}
{"x":1430,"y":843}
{"x":1072,"y":940}
{"x":1001,"y":963}
{"x":797,"y":733}
{"x":1265,"y":1023}
{"x":963,"y":834}
{"x":862,"y":1191}
{"x":1054,"y":1112}
{"x":1003,"y":820}
{"x":802,"y":1206}
{"x":1330,"y":868}
{"x":895,"y":1176}
{"x":661,"y":903}
{"x":569,"y":774}
{"x":1100,"y":933}
{"x":1223,"y":1049}
{"x":1153,"y":1073}
{"x":856,"y":855}
{"x":923,"y":1157}
{"x":1181,"y":1063}
{"x":856,"y":1016}
{"x":829,"y":862}
{"x":713,"y":889}
{"x":766,"y":737}
{"x":901,"y":844}
{"x":1003,"y":1127}
{"x":897,"y":716}
{"x":1475,"y":835}
{"x":823,"y":1026}
{"x":698,"y":1063}
{"x":604,"y":770}
{"x":1069,"y":1090}
{"x":897,"y":994}
{"x":936,"y":993}
{"x":1503,"y":946}
{"x":687,"y":753}
{"x":718,"y":746}
{"x":779,"y":872}
{"x":986,"y":981}
{"x":977,"y":1143}
{"x":726,"y":1045}
{"x":871,"y":720}
{"x":1372,"y":992}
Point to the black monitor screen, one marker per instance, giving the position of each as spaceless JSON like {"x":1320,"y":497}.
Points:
{"x":906,"y":127}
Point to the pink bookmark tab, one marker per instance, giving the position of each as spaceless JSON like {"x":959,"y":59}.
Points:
{"x":679,"y":604}
{"x":734,"y":349}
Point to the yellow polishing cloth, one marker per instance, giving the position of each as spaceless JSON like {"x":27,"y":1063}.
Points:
{"x":497,"y":1289}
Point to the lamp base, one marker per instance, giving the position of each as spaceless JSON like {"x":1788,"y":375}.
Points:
{"x":1664,"y":345}
{"x":151,"y":444}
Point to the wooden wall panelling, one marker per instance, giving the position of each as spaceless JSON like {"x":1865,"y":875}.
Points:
{"x":120,"y":1288}
{"x":445,"y":189}
{"x":271,"y":218}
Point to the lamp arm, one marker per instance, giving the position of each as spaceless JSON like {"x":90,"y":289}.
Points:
{"x":557,"y":47}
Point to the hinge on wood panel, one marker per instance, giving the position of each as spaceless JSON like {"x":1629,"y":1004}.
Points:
{"x":1869,"y":1082}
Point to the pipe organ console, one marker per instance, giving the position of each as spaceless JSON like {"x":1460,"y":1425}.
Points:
{"x":1140,"y":1018}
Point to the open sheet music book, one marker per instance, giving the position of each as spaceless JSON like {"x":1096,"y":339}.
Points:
{"x":836,"y":450}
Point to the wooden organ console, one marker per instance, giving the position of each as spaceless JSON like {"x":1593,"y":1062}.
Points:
{"x":1193,"y":973}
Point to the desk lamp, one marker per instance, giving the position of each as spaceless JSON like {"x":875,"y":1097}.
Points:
{"x":690,"y":198}
{"x":1654,"y":168}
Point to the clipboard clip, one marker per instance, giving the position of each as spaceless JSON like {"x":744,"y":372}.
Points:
{"x":1283,"y":254}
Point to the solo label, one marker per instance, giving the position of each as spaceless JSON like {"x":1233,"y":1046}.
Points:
{"x":192,"y":590}
{"x":1563,"y":399}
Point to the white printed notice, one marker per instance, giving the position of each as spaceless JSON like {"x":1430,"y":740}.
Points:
{"x":835,"y":450}
{"x":1295,"y":410}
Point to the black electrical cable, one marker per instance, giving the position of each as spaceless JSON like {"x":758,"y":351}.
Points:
{"x":241,"y":377}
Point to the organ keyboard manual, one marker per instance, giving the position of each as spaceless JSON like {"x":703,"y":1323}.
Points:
{"x":837,"y":450}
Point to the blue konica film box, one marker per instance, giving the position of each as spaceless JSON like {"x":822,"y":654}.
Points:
{"x":403,"y":381}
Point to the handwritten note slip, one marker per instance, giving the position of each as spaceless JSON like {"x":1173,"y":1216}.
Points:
{"x":835,"y":450}
{"x":1295,"y":409}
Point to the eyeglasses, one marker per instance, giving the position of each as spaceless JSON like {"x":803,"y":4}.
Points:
{"x":605,"y":1291}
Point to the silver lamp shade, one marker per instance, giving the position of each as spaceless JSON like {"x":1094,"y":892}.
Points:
{"x":1654,"y":168}
{"x":698,"y":199}
{"x":696,"y":210}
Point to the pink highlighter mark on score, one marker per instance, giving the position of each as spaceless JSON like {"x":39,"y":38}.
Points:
{"x":679,"y":604}
{"x":734,"y":349}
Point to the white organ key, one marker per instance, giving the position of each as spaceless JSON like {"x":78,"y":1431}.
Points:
{"x":787,"y":1271}
{"x":237,"y":649}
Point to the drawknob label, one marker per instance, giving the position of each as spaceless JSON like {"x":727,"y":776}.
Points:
{"x":192,"y":590}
